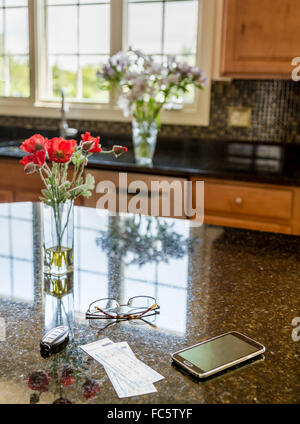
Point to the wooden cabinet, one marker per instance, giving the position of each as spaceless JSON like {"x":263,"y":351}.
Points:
{"x":260,"y":38}
{"x":269,"y":203}
{"x":6,"y":196}
{"x":252,"y":206}
{"x":163,"y":191}
{"x":21,"y":187}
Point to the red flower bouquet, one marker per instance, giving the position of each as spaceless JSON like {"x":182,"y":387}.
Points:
{"x":60,"y":153}
{"x":51,"y":159}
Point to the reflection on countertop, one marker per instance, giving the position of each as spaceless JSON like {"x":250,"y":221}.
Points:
{"x":207,"y":281}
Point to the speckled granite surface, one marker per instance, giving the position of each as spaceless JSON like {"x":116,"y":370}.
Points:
{"x":207,"y":281}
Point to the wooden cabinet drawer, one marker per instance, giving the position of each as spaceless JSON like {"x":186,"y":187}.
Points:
{"x":164,"y":195}
{"x":6,"y":196}
{"x":251,"y":201}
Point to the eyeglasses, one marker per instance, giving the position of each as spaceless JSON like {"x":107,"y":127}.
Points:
{"x":110,"y":308}
{"x":148,"y":321}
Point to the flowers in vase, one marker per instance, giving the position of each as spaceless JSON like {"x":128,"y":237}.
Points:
{"x":145,"y":85}
{"x":51,"y":159}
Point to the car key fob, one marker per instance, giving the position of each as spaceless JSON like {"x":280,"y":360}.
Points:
{"x":54,"y":338}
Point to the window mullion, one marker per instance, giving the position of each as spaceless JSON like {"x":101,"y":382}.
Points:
{"x":163,"y":29}
{"x":42,"y":80}
{"x":79,"y":72}
{"x":116,"y":32}
{"x":6,"y":76}
{"x":32,"y":52}
{"x":6,"y":59}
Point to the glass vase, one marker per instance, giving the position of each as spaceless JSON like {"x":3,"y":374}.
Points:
{"x":58,"y":301}
{"x":58,"y":230}
{"x":144,"y":136}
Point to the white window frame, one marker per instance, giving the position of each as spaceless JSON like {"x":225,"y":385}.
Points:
{"x":194,"y":114}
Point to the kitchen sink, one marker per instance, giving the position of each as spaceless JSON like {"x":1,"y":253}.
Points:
{"x":11,"y":146}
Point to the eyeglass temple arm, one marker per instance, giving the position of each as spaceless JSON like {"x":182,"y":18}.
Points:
{"x":155,"y":306}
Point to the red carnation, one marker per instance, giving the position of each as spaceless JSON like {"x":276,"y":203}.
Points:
{"x":90,"y":388}
{"x":119,"y":150}
{"x":34,"y":144}
{"x":61,"y":150}
{"x":34,"y":161}
{"x":38,"y":381}
{"x":90,"y":144}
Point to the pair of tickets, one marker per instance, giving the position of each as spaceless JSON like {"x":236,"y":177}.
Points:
{"x":128,"y":375}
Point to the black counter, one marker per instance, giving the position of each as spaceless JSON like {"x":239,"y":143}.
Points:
{"x":233,"y":160}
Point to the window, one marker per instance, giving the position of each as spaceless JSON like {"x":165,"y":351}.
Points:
{"x":78,"y":42}
{"x":165,"y":28}
{"x":14,"y":49}
{"x":67,"y":41}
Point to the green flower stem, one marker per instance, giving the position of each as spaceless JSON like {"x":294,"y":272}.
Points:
{"x":67,"y":220}
{"x":80,"y":174}
{"x":64,"y":174}
{"x":74,"y":175}
{"x":76,"y":188}
{"x":43,"y":178}
{"x":57,"y":218}
{"x":47,"y":169}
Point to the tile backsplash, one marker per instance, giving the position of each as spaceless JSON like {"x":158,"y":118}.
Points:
{"x":275,"y":115}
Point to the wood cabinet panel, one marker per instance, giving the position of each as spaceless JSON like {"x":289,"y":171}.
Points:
{"x":248,"y":224}
{"x":12,"y":176}
{"x":252,"y":201}
{"x":26,"y":196}
{"x":6,"y":196}
{"x":260,"y":38}
{"x":126,"y":197}
{"x":264,"y":207}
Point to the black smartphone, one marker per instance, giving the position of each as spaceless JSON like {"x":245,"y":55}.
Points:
{"x":211,"y":356}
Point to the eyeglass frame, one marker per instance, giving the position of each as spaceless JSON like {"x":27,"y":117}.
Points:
{"x":154,"y":308}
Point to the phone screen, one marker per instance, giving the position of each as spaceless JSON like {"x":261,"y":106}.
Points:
{"x":218,"y":352}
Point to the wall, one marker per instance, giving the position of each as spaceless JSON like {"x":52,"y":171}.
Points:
{"x":275,"y":114}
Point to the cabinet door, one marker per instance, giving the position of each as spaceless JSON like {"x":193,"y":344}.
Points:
{"x":6,"y":196}
{"x":152,"y":197}
{"x":27,"y":196}
{"x":260,"y":38}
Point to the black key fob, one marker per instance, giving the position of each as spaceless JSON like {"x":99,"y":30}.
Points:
{"x":54,"y":338}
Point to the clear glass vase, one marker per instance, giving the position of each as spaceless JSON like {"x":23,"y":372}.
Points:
{"x":58,"y":231}
{"x":58,"y":301}
{"x":144,"y":136}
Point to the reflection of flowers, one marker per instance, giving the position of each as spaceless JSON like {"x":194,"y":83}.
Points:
{"x":66,"y":369}
{"x":67,"y":377}
{"x":38,"y":381}
{"x":90,"y":388}
{"x":144,"y":239}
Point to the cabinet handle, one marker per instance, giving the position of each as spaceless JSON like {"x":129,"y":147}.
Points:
{"x":238,"y":200}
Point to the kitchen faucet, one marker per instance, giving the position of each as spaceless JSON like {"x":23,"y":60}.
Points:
{"x":64,"y":130}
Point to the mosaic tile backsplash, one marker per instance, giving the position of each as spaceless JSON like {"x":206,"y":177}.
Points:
{"x":275,"y":115}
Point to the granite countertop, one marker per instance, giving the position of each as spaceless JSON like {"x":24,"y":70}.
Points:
{"x":208,"y":281}
{"x":269,"y":163}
